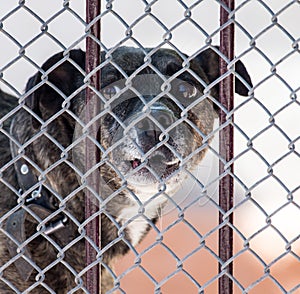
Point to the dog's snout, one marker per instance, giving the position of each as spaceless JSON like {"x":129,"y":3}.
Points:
{"x":154,"y":134}
{"x":163,"y":115}
{"x":159,"y":119}
{"x":149,"y":129}
{"x":158,"y":122}
{"x":147,"y":135}
{"x":165,"y":119}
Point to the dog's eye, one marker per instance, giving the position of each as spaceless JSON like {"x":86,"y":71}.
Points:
{"x":110,"y":91}
{"x":187,"y":91}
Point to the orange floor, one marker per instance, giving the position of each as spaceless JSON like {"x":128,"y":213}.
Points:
{"x":202,"y":265}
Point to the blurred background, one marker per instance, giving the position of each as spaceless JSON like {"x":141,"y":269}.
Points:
{"x":267,"y":195}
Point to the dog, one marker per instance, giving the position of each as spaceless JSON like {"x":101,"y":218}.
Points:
{"x":157,"y":111}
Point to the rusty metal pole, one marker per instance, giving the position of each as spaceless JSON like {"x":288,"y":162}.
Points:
{"x":93,"y":227}
{"x":226,"y":188}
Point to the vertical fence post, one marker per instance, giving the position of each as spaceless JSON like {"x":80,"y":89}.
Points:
{"x":226,"y":150}
{"x":93,"y":227}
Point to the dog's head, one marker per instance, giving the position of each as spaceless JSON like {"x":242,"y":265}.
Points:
{"x":156,"y":108}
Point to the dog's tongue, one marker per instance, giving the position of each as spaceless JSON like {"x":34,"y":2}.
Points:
{"x":135,"y":163}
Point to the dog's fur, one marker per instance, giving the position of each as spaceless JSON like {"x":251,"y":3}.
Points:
{"x":44,"y":99}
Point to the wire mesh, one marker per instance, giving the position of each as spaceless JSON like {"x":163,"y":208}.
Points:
{"x":152,"y":127}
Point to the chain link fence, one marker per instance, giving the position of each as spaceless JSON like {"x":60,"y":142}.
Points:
{"x":133,"y":167}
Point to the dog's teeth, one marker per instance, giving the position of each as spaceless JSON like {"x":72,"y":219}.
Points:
{"x":175,"y":161}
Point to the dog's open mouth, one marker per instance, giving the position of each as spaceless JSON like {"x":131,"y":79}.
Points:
{"x":135,"y":163}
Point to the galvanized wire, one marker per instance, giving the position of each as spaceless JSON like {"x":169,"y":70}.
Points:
{"x":239,"y":241}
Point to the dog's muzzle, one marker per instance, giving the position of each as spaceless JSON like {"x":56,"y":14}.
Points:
{"x":150,"y":131}
{"x":146,"y":153}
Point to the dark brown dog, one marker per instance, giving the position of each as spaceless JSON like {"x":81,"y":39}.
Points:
{"x":152,"y":119}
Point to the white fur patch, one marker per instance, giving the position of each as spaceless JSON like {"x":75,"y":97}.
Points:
{"x":136,"y":223}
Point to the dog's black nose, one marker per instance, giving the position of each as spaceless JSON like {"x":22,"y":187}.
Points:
{"x":148,"y":138}
{"x":163,"y":116}
{"x":150,"y":128}
{"x":159,"y":119}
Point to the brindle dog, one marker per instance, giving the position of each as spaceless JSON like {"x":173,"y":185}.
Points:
{"x":154,"y":116}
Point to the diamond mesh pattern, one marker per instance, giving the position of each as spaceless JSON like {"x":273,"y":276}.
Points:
{"x":180,"y":253}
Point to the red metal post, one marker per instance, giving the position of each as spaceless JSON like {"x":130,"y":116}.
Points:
{"x":93,"y":228}
{"x":226,"y":150}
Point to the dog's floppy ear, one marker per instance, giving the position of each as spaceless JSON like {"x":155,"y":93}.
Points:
{"x":208,"y":60}
{"x":62,"y":79}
